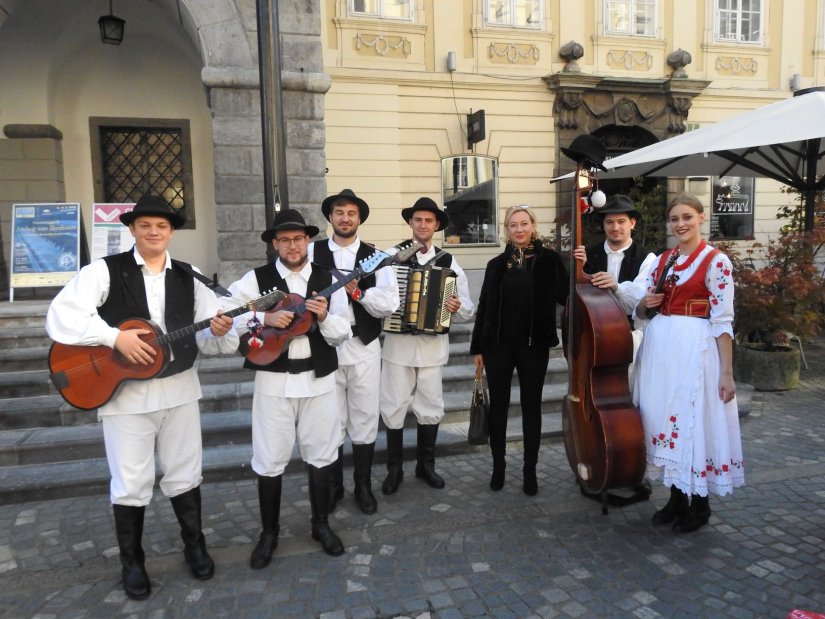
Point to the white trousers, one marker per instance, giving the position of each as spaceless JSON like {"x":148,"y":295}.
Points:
{"x":277,"y":421}
{"x":130,"y":450}
{"x":402,"y":386}
{"x":357,"y":386}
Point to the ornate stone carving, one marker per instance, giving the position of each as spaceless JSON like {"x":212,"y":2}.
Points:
{"x":383,"y":45}
{"x":630,"y":60}
{"x":514,"y":53}
{"x":564,"y":109}
{"x":678,"y":108}
{"x":733,"y":65}
{"x":679,"y":60}
{"x":571,"y":52}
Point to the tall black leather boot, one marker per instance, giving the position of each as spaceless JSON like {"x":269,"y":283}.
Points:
{"x":187,"y":508}
{"x":362,"y":475}
{"x":129,"y":532}
{"x":425,"y":455}
{"x":336,"y":480}
{"x":395,"y":461}
{"x":319,"y":502}
{"x":269,"y":502}
{"x":676,"y":505}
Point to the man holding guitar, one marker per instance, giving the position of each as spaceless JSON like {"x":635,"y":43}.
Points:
{"x":161,"y":412}
{"x":411,"y":364}
{"x":294,"y":393}
{"x":359,"y":358}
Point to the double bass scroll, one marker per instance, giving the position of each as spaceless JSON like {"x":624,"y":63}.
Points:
{"x":603,"y":434}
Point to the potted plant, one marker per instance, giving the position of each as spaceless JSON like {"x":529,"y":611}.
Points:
{"x":780,"y":293}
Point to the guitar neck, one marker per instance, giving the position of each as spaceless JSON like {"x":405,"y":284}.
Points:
{"x":332,"y":288}
{"x":198,"y":326}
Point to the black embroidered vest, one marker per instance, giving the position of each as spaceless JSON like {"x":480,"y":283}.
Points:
{"x":127,"y":299}
{"x":369,"y":327}
{"x":324,"y":357}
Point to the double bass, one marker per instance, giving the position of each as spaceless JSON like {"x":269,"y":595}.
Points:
{"x":603,"y":434}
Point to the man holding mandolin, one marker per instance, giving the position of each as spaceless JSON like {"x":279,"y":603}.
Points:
{"x":160,"y":412}
{"x":294,"y":395}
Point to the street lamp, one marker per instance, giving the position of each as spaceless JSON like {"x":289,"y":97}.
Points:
{"x":111,"y":28}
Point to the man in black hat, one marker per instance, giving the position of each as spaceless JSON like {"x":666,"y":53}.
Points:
{"x":294,"y":396}
{"x":160,"y":413}
{"x":359,"y":358}
{"x":619,"y":263}
{"x":411,"y":368}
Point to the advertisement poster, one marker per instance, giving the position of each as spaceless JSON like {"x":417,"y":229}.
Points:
{"x":45,"y":244}
{"x":732,"y":213}
{"x":109,"y":236}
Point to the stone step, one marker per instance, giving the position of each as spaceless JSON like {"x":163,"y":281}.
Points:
{"x":52,"y":480}
{"x":25,"y":446}
{"x":23,"y":314}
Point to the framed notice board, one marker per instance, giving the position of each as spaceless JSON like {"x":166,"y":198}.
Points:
{"x":732,"y":212}
{"x":45,"y":245}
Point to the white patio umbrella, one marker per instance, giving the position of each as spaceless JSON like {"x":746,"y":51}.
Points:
{"x":782,"y":141}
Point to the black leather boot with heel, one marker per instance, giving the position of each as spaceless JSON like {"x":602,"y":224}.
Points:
{"x":269,"y":502}
{"x":187,"y":507}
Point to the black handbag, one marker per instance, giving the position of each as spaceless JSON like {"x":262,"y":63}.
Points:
{"x":479,"y":431}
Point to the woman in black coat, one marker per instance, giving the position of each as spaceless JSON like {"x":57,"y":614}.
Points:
{"x":515,"y":328}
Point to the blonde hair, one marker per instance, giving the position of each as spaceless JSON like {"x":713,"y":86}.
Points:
{"x":688,"y":199}
{"x":521,"y":208}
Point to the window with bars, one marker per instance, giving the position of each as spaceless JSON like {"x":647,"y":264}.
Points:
{"x":382,"y":9}
{"x":133,"y":157}
{"x":514,"y":13}
{"x":630,"y":17}
{"x":739,"y":21}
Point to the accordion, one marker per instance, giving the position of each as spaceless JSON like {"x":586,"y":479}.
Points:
{"x":423,"y":290}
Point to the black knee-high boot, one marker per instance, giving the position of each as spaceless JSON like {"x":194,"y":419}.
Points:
{"x":695,"y":516}
{"x":362,"y":475}
{"x":395,"y":461}
{"x":129,"y":532}
{"x":319,"y":502}
{"x":673,"y":509}
{"x":336,"y":480}
{"x":187,"y":508}
{"x":269,"y":501}
{"x":425,"y":454}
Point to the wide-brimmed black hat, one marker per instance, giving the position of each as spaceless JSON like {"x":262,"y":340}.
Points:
{"x":289,"y":219}
{"x":587,"y":149}
{"x":426,"y":204}
{"x":619,"y":204}
{"x":153,"y":206}
{"x":346,"y":195}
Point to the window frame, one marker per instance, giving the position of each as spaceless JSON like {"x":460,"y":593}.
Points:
{"x":512,"y":10}
{"x":380,"y":14}
{"x":461,"y":181}
{"x":632,"y":5}
{"x":717,"y":23}
{"x":181,"y":125}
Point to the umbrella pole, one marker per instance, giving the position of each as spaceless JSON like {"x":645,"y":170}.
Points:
{"x":810,"y":181}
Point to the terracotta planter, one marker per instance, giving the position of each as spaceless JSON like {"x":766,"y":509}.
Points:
{"x":766,"y":370}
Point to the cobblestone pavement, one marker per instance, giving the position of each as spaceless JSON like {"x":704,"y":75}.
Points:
{"x":462,"y":551}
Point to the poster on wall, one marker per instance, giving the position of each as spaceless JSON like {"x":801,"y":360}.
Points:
{"x":45,"y":244}
{"x":109,"y":236}
{"x":732,"y":212}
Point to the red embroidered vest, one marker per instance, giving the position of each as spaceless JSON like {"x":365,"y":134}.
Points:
{"x":690,"y":298}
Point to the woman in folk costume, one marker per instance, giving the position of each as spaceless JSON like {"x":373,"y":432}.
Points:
{"x":684,"y":381}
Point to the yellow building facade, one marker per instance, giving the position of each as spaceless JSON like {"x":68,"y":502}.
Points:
{"x":406,"y":74}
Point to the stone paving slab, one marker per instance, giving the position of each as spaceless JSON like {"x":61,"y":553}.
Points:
{"x":463,"y":551}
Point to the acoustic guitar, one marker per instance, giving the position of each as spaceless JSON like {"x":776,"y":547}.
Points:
{"x":88,"y":376}
{"x":272,"y":341}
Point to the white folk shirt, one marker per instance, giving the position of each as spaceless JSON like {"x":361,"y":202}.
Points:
{"x":627,"y":292}
{"x":335,"y":329}
{"x":73,"y":319}
{"x":418,"y":351}
{"x":380,"y":301}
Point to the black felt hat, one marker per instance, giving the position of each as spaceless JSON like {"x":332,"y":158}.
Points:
{"x":619,"y":204}
{"x":153,"y":206}
{"x":346,"y":195}
{"x":426,"y":204}
{"x":289,"y":219}
{"x":587,"y":149}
